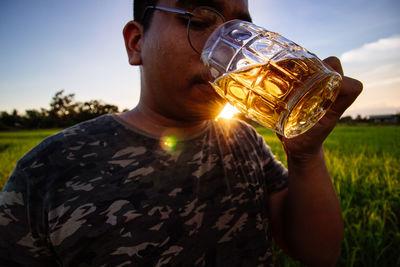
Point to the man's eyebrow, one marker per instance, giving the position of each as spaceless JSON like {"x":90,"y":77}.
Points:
{"x":191,"y":4}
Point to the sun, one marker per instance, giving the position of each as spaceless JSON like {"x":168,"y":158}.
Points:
{"x":227,"y":112}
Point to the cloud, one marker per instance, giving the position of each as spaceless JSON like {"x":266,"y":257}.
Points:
{"x":377,"y":66}
{"x":381,"y":50}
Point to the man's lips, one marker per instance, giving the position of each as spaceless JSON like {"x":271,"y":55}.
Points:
{"x":202,"y":81}
{"x":205,"y":87}
{"x":204,"y":76}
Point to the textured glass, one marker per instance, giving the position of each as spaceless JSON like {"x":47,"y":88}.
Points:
{"x":269,"y":78}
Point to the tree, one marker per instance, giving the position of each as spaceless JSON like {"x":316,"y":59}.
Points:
{"x":347,"y":120}
{"x":64,"y":111}
{"x":36,"y":119}
{"x":94,"y":108}
{"x":13,"y":120}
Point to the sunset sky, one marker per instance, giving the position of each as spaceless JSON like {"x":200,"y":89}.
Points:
{"x":77,"y":46}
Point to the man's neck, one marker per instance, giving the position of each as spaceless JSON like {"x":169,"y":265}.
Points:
{"x":154,"y":123}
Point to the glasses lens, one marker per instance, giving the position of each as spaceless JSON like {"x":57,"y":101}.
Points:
{"x":201,"y":25}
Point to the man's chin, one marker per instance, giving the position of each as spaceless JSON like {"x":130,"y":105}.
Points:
{"x":205,"y":103}
{"x":204,"y":89}
{"x":207,"y":110}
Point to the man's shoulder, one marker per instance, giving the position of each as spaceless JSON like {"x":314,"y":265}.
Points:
{"x":102,"y":125}
{"x":71,"y":138}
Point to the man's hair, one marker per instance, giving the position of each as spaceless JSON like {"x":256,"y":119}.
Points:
{"x":139,"y":12}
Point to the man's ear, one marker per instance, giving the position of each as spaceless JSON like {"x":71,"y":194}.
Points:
{"x":133,"y":35}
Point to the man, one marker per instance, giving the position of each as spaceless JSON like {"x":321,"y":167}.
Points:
{"x":164,"y":184}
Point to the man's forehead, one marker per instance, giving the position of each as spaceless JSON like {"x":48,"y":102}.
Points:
{"x":194,"y":3}
{"x":220,"y":5}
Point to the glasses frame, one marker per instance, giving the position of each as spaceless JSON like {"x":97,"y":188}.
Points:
{"x":189,"y":14}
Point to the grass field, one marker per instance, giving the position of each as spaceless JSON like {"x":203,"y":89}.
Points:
{"x":13,"y":145}
{"x":364,"y":163}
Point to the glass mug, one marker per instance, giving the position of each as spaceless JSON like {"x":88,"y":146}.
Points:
{"x":269,"y":78}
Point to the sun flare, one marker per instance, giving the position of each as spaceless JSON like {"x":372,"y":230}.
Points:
{"x":227,"y":112}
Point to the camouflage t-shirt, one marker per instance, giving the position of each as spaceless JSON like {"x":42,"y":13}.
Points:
{"x":102,"y":193}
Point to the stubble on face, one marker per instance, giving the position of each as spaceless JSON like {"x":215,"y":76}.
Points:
{"x":176,"y":83}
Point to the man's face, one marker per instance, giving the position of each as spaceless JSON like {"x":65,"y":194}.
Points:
{"x":174,"y":80}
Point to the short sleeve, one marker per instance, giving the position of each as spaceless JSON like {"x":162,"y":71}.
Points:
{"x":22,"y":241}
{"x":274,"y":172}
{"x":276,"y":175}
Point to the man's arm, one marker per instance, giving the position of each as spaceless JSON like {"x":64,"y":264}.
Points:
{"x":21,"y":241}
{"x":306,"y":217}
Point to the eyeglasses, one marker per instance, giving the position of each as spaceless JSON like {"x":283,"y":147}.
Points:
{"x":202,"y":21}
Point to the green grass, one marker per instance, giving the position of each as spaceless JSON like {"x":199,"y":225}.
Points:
{"x":14,"y":144}
{"x":364,"y":163}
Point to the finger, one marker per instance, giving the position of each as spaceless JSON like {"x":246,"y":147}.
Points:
{"x":349,"y":91}
{"x":280,"y":137}
{"x":335,"y":64}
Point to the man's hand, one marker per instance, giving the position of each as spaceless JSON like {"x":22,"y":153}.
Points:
{"x":306,"y":218}
{"x":311,"y":141}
